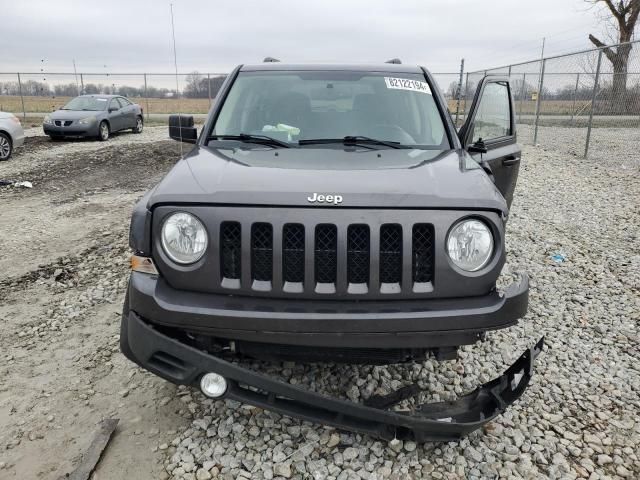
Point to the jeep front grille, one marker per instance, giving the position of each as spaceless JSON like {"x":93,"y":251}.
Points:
{"x":327,"y":258}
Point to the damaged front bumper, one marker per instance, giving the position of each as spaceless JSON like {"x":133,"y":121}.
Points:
{"x":445,"y":421}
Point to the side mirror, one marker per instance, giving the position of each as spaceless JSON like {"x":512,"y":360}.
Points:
{"x":478,"y":147}
{"x":181,"y":128}
{"x":113,"y":109}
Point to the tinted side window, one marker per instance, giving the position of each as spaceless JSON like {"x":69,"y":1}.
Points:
{"x":493,"y":118}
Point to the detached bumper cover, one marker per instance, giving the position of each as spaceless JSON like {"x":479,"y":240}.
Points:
{"x":445,"y":421}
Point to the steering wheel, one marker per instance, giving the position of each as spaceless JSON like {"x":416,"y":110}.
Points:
{"x":392,"y":133}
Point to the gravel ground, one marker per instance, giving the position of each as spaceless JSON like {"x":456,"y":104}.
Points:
{"x":580,"y":417}
{"x":610,"y":145}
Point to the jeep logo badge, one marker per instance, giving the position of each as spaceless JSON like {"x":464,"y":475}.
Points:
{"x":317,"y":198}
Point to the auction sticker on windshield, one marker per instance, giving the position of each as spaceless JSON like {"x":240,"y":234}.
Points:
{"x":407,"y":84}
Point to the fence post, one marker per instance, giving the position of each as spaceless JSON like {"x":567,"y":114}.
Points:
{"x":593,"y":103}
{"x":82,"y":84}
{"x":209,"y":87}
{"x":459,"y":90}
{"x":523,"y":92}
{"x":24,"y":111}
{"x":575,"y":96}
{"x":538,"y":102}
{"x":146,"y":96}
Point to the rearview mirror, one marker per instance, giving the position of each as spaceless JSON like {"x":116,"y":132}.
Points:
{"x":181,"y":128}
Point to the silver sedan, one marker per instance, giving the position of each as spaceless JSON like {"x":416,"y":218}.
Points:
{"x":94,"y":116}
{"x":11,"y":134}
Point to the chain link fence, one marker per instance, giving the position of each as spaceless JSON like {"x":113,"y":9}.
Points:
{"x":30,"y":94}
{"x":584,"y":103}
{"x":580,"y":103}
{"x":35,"y":94}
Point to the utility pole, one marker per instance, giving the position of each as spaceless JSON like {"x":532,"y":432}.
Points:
{"x":459,"y":90}
{"x":539,"y":99}
{"x":75,"y":72}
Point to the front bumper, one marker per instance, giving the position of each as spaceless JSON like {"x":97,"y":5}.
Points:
{"x":427,"y":323}
{"x":445,"y":421}
{"x":90,"y":130}
{"x":17,"y":136}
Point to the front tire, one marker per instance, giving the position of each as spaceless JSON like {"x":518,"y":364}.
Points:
{"x":103,"y":131}
{"x":6,"y":147}
{"x":139,"y":125}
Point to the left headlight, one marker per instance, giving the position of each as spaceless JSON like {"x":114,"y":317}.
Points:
{"x":470,"y":244}
{"x":184,"y":238}
{"x":87,"y":120}
{"x":47,"y":120}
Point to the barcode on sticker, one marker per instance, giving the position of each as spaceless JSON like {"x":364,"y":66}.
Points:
{"x":407,"y":84}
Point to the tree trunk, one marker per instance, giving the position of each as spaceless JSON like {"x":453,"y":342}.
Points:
{"x":619,"y":83}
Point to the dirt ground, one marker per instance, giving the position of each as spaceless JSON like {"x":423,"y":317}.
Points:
{"x":64,"y":258}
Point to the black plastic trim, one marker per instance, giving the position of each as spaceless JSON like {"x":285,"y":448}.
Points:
{"x":444,"y":421}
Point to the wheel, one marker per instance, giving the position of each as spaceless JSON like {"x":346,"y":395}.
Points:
{"x":103,"y":131}
{"x":6,"y":147}
{"x":139,"y":125}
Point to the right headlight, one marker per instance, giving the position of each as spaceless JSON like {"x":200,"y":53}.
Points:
{"x":184,"y":238}
{"x":87,"y":120}
{"x":470,"y":244}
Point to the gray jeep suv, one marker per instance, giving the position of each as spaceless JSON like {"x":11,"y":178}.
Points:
{"x":330,"y":213}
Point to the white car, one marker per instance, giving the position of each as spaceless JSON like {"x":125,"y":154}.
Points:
{"x":11,"y":134}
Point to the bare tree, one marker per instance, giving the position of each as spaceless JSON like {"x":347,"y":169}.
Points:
{"x":193,"y":88}
{"x":625,"y":15}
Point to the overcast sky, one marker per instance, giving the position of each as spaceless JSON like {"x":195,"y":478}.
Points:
{"x":214,"y":36}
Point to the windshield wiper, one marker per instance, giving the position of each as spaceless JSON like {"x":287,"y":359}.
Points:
{"x":352,"y":140}
{"x":250,"y":138}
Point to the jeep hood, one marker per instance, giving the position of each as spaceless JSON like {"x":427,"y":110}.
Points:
{"x":385,"y":178}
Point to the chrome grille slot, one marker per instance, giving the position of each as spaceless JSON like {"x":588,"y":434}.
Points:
{"x":261,"y":256}
{"x":358,"y":258}
{"x":423,"y":252}
{"x":230,"y":253}
{"x":326,"y":257}
{"x":390,"y":258}
{"x":293,"y":254}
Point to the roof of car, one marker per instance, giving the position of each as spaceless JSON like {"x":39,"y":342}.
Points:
{"x":98,"y":95}
{"x":378,"y":67}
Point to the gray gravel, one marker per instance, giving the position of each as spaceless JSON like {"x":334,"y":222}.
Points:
{"x":580,"y":417}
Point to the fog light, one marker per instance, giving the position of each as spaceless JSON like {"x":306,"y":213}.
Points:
{"x":213,"y":385}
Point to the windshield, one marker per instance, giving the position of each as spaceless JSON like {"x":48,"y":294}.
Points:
{"x":86,"y":103}
{"x":304,"y":106}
